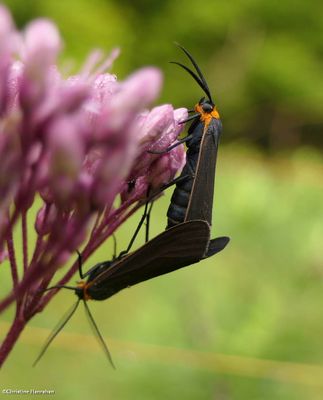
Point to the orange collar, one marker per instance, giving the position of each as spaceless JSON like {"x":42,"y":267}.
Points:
{"x":83,"y":285}
{"x":205,"y":116}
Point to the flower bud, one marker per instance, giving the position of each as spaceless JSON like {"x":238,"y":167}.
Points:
{"x":66,"y":151}
{"x":165,"y":167}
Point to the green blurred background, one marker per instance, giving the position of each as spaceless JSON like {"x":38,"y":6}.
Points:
{"x":207,"y":332}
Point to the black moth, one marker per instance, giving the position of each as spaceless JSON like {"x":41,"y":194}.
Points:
{"x":193,"y":197}
{"x":175,"y":248}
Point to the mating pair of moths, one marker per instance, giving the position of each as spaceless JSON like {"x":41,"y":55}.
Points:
{"x":186,"y":239}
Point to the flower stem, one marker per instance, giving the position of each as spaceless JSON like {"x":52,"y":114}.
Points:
{"x":11,"y":338}
{"x":12,"y":257}
{"x":24,"y":239}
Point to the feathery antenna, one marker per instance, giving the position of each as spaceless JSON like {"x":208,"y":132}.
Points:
{"x":57,"y":329}
{"x":98,"y":334}
{"x":199,"y":77}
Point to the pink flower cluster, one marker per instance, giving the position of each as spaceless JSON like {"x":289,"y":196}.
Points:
{"x":75,"y":144}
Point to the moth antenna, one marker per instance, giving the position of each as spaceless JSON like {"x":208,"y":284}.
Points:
{"x":57,"y":329}
{"x":193,"y":75}
{"x":199,"y":72}
{"x":98,"y":334}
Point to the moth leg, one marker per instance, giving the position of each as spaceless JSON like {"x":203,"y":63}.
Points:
{"x":142,"y":220}
{"x":148,"y":222}
{"x":114,"y":246}
{"x":80,"y":264}
{"x":185,"y":139}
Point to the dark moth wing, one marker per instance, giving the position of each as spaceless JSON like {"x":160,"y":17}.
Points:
{"x":175,"y":248}
{"x":201,"y":199}
{"x":216,"y":245}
